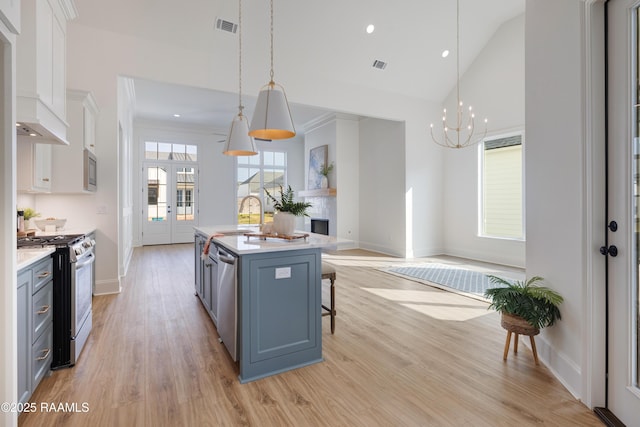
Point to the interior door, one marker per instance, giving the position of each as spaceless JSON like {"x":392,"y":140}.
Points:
{"x":623,"y":394}
{"x":170,"y":205}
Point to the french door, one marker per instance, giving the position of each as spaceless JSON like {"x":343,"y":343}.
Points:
{"x":623,"y":394}
{"x":169,"y":197}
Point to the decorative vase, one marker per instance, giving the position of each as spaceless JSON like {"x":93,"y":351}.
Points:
{"x":324,"y":182}
{"x":284,"y":223}
{"x":27,"y":224}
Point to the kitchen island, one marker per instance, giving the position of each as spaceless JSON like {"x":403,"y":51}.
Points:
{"x":267,"y":306}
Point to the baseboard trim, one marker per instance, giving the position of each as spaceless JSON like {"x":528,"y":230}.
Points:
{"x":107,"y":287}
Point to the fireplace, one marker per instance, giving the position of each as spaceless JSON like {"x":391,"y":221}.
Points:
{"x":320,"y":226}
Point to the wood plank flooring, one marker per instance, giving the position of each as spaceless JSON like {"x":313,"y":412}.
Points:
{"x":404,"y":354}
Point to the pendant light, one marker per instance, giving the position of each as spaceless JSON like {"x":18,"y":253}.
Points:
{"x":239,"y":142}
{"x":272,"y":117}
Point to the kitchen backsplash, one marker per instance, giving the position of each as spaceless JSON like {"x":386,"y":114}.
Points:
{"x":78,"y":210}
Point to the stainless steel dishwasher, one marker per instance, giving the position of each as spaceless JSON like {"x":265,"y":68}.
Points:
{"x":227,"y":304}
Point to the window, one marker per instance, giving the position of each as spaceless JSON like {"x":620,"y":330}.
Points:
{"x":501,"y":188}
{"x":167,"y":151}
{"x":267,"y":169}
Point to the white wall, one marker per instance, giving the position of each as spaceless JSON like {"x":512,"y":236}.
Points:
{"x":382,"y":190}
{"x":494,"y":86}
{"x":347,"y":175}
{"x":560,"y":203}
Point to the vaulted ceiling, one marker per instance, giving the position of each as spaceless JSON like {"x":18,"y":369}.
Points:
{"x":318,"y":39}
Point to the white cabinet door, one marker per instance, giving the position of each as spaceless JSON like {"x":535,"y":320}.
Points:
{"x":34,"y":167}
{"x":90,"y":111}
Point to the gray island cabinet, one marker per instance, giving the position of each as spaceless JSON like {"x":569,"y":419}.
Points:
{"x":273,"y":296}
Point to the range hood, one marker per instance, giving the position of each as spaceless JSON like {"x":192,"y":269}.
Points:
{"x":37,"y":123}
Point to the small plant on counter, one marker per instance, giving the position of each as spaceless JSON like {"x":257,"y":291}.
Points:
{"x":286,"y":203}
{"x":29,"y":213}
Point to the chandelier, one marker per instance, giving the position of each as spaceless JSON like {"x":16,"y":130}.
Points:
{"x":461,"y":133}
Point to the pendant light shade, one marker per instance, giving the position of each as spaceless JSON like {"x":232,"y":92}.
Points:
{"x":272,"y":118}
{"x":239,"y":143}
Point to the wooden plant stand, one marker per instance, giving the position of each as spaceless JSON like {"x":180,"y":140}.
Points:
{"x":518,"y":326}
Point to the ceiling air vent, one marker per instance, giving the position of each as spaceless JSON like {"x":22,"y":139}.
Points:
{"x":380,"y":65}
{"x":227,"y":26}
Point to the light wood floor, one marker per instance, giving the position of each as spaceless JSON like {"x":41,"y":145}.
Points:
{"x":404,"y":354}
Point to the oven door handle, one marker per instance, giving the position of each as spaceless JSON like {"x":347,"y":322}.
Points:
{"x":86,"y":261}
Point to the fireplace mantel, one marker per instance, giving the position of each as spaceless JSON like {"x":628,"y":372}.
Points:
{"x":320,"y":192}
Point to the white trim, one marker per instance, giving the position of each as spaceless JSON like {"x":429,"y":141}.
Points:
{"x":593,"y":312}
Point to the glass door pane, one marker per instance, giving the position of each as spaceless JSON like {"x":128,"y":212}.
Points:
{"x":157,"y":194}
{"x":185,"y":203}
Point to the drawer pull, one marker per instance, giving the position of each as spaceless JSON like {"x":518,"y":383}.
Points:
{"x":46,"y":352}
{"x":45,"y":179}
{"x":44,"y":309}
{"x":44,"y":274}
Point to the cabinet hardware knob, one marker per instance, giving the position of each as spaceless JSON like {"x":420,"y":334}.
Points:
{"x":44,"y":309}
{"x":46,"y":352}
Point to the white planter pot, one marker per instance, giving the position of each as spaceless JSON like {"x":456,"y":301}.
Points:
{"x":284,"y":223}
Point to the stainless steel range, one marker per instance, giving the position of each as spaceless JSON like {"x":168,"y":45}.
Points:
{"x":73,"y":263}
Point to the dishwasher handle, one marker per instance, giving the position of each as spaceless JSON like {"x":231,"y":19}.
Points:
{"x":225,"y":257}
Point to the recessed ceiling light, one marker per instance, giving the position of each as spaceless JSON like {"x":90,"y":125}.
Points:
{"x":176,"y":115}
{"x":370,"y":28}
{"x":18,"y":125}
{"x":33,"y":134}
{"x":445,"y":53}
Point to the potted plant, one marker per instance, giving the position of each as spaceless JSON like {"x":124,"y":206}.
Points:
{"x":286,"y":211}
{"x":29,"y":213}
{"x":525,"y":307}
{"x":325,"y":171}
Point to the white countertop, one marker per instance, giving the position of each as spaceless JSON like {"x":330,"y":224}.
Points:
{"x":241,"y":244}
{"x":26,"y":257}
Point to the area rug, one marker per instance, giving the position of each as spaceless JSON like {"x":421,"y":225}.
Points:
{"x":463,"y":281}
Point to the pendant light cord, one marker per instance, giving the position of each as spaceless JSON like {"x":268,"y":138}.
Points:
{"x":458,"y":107}
{"x":240,"y":107}
{"x":271,"y":32}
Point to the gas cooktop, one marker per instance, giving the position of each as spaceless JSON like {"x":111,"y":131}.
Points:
{"x":40,"y":241}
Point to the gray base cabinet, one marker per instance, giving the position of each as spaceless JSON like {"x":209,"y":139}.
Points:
{"x":35,"y":326}
{"x":279,"y":312}
{"x":206,"y":282}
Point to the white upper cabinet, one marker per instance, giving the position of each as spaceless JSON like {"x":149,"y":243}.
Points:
{"x":68,"y":161}
{"x":34,"y":167}
{"x":41,"y":69}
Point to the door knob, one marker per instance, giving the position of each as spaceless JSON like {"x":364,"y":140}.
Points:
{"x":613,"y":226}
{"x":611,"y":250}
